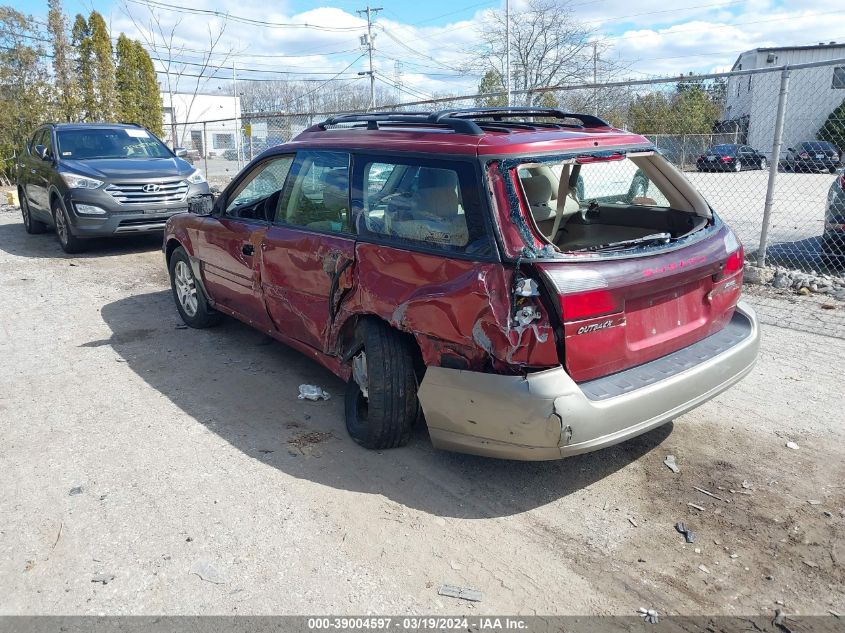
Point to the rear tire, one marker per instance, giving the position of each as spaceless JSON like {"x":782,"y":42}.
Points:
{"x":384,"y":418}
{"x":191,"y":302}
{"x":32,"y":226}
{"x":737,"y":166}
{"x":68,"y":241}
{"x":764,"y":164}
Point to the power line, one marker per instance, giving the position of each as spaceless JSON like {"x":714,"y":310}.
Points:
{"x":235,"y":18}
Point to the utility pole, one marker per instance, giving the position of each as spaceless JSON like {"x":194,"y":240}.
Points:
{"x":595,"y":78}
{"x":508,"y":49}
{"x":237,"y":127}
{"x":367,"y":40}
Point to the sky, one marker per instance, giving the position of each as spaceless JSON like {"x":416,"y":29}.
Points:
{"x":425,"y":43}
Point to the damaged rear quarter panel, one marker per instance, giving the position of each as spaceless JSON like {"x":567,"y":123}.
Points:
{"x":453,"y":307}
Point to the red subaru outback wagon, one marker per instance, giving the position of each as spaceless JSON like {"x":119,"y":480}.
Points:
{"x":531,"y":283}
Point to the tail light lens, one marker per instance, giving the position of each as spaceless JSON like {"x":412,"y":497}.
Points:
{"x":735,"y":261}
{"x":587,"y":305}
{"x":726,"y":159}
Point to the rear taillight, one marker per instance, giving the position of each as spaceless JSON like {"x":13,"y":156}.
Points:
{"x":726,"y":159}
{"x":803,"y":155}
{"x":586,"y":305}
{"x":735,"y":261}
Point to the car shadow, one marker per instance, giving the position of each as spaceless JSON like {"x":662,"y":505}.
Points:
{"x":243,"y":386}
{"x":16,"y":241}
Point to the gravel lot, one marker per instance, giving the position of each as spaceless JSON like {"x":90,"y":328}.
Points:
{"x":181,"y":463}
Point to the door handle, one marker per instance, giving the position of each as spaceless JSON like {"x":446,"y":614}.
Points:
{"x":248,"y":250}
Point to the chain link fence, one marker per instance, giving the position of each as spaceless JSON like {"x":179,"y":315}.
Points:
{"x":765,"y":147}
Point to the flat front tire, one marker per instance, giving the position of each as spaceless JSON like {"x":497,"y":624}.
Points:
{"x":381,"y":397}
{"x":67,"y":240}
{"x":191,"y":302}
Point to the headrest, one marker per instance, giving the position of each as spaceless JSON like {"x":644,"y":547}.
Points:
{"x":538,"y":189}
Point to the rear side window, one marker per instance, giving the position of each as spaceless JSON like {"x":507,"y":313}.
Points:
{"x":434,"y":204}
{"x":317,"y":196}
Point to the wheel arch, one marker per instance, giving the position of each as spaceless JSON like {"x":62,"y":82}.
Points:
{"x":348,"y":341}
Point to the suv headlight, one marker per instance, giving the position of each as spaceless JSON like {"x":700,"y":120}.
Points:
{"x":196,"y":178}
{"x":75,"y":181}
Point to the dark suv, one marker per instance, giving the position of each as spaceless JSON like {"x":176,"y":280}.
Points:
{"x":102,"y":179}
{"x":539,"y":283}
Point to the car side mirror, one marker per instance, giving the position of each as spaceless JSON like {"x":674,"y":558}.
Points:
{"x":202,"y":204}
{"x":180,"y":152}
{"x":42,"y":152}
{"x":790,"y":149}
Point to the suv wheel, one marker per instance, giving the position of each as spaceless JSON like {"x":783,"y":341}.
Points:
{"x":764,"y":164}
{"x":737,"y":165}
{"x":31,"y":225}
{"x":381,"y":397}
{"x":191,"y":302}
{"x":68,"y":241}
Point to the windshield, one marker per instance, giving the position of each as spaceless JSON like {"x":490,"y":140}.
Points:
{"x":723,"y":150}
{"x":86,"y":144}
{"x":817,"y":147}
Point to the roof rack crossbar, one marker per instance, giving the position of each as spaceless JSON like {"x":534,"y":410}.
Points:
{"x":372,"y":119}
{"x":587,"y":120}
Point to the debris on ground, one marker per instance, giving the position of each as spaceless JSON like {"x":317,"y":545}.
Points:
{"x":309,"y":439}
{"x":181,"y":326}
{"x":312,"y":392}
{"x":76,"y":490}
{"x":671,"y":463}
{"x":649,"y":615}
{"x":103,"y":578}
{"x":455,"y":566}
{"x":747,"y":484}
{"x":704,"y":569}
{"x":208,"y":572}
{"x":814,"y":502}
{"x":780,"y":616}
{"x":810,"y":563}
{"x":464,"y":593}
{"x":792,"y":445}
{"x":632,"y":521}
{"x":689,"y":535}
{"x":710,"y":494}
{"x":692,"y":505}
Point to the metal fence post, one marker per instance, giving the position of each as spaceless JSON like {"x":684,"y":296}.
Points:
{"x":773,"y":166}
{"x":205,"y":149}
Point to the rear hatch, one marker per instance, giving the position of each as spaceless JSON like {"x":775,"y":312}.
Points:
{"x":621,"y":313}
{"x":642,"y":267}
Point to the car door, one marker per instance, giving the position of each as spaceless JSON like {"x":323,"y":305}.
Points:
{"x":228,"y":244}
{"x":308,"y":253}
{"x":35,"y":186}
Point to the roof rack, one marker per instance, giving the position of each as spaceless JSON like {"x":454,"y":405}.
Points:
{"x":472,"y":121}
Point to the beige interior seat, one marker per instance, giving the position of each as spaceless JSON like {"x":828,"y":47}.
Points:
{"x":541,"y":189}
{"x":432,"y":214}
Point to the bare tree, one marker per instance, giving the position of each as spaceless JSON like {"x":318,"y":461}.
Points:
{"x":549,"y":47}
{"x":180,"y":77}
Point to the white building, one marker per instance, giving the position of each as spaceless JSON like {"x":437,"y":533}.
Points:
{"x":184,"y":114}
{"x":814,"y":93}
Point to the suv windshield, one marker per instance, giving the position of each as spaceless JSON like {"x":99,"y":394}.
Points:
{"x":97,"y":143}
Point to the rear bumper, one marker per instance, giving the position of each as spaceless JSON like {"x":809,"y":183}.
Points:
{"x":546,"y":415}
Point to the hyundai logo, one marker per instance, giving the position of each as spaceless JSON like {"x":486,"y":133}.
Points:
{"x":151,"y":188}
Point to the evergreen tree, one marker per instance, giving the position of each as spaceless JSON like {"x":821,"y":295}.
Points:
{"x":66,"y":90}
{"x":127,"y":78}
{"x":491,"y":82}
{"x":152,"y":116}
{"x":81,"y":39}
{"x":833,"y":130}
{"x":103,"y":65}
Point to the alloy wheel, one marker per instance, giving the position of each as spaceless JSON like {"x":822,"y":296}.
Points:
{"x":186,"y":288}
{"x":61,"y":226}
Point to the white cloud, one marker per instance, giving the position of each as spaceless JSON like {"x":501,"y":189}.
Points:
{"x":702,"y":36}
